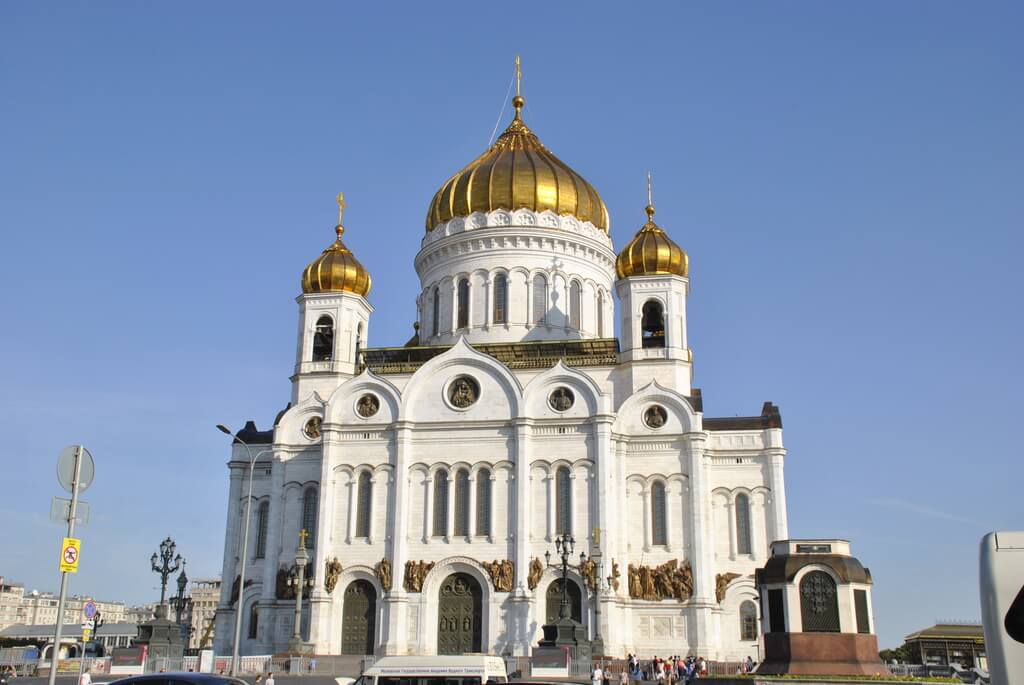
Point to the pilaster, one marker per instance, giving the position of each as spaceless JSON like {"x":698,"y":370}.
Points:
{"x":396,"y":601}
{"x":703,"y":601}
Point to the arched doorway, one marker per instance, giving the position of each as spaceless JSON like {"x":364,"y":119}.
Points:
{"x":554,"y":601}
{"x":459,"y":615}
{"x":359,"y":612}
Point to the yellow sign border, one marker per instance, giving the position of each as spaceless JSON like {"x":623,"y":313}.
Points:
{"x":68,"y":543}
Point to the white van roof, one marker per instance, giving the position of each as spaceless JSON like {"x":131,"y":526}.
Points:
{"x":467,"y":665}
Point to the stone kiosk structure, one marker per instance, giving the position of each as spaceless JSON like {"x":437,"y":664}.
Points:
{"x":816,"y":604}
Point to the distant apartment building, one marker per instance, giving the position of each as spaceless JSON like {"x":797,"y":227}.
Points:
{"x":205,"y":597}
{"x":11,"y":595}
{"x":40,"y":608}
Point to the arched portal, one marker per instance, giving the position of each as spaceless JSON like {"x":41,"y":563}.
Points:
{"x":554,"y":601}
{"x":358,"y":617}
{"x":459,"y":615}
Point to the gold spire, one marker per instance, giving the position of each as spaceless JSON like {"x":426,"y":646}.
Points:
{"x":336,"y":269}
{"x":651,"y":251}
{"x":517,"y":172}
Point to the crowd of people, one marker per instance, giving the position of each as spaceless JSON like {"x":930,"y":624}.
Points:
{"x":674,"y":669}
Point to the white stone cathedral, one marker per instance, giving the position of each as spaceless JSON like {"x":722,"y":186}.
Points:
{"x":433,"y":478}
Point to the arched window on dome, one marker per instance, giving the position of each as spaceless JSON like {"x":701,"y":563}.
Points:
{"x":483,"y":502}
{"x":462,"y":502}
{"x":310,"y":501}
{"x":575,"y":304}
{"x":262,"y":521}
{"x":323,"y":339}
{"x":600,"y":313}
{"x":748,"y":621}
{"x":652,"y":324}
{"x":436,"y":318}
{"x":563,"y":501}
{"x":742,"y":506}
{"x":463,"y":303}
{"x":364,"y":504}
{"x":440,"y":503}
{"x":540,"y":299}
{"x":500,"y":313}
{"x":659,"y":534}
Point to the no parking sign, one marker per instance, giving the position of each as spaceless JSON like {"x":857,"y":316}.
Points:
{"x":70,"y":550}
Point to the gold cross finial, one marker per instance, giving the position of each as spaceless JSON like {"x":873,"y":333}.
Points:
{"x":519,"y":74}
{"x":518,"y":101}
{"x":341,"y":205}
{"x":650,"y":199}
{"x":303,"y":534}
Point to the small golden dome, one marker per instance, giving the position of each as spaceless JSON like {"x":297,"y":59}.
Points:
{"x":336,"y":269}
{"x":651,"y":252}
{"x":517,"y":172}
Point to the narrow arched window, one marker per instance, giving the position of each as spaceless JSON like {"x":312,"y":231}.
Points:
{"x":462,"y":502}
{"x":500,"y":314}
{"x":323,"y":340}
{"x":540,"y":299}
{"x":819,"y":603}
{"x":600,"y":313}
{"x":483,"y":502}
{"x":575,"y":304}
{"x":436,"y":320}
{"x":441,"y":503}
{"x":563,"y":501}
{"x":742,"y":506}
{"x":262,"y":519}
{"x":254,"y":620}
{"x":652,"y":324}
{"x":748,"y":621}
{"x":309,"y":513}
{"x":364,"y":502}
{"x":463,"y":295}
{"x":659,"y":536}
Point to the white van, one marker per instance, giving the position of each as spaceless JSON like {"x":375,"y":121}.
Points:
{"x":435,"y":670}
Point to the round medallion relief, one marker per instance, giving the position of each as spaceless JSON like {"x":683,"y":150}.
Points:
{"x":368,"y":405}
{"x":655,"y":416}
{"x":463,"y":392}
{"x":312,"y":428}
{"x":561,"y":399}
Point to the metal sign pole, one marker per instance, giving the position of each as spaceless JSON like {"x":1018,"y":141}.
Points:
{"x":64,"y":574}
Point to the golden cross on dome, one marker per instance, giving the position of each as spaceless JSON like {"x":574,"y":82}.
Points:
{"x":341,"y":205}
{"x":303,"y":534}
{"x":650,"y":193}
{"x":518,"y":101}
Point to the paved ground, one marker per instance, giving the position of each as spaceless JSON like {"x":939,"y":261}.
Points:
{"x":278,"y":680}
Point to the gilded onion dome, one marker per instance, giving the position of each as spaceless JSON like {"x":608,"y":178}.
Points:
{"x":336,"y":269}
{"x":651,"y":252}
{"x":517,"y":172}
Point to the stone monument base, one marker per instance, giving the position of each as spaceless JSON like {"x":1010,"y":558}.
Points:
{"x":821,"y":654}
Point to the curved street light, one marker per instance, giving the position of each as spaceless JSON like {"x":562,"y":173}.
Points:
{"x":245,"y":547}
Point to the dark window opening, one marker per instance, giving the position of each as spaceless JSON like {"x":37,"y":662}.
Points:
{"x":463,"y":320}
{"x":323,"y":340}
{"x":652,"y":324}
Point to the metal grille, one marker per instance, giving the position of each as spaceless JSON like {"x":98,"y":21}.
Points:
{"x":500,"y":298}
{"x":742,"y":524}
{"x":462,"y":503}
{"x":819,"y":604}
{"x":358,"y":617}
{"x":441,"y":503}
{"x":309,"y":506}
{"x":483,"y":502}
{"x":563,"y":501}
{"x":748,"y":621}
{"x":459,"y":615}
{"x":262,"y":518}
{"x":658,"y":528}
{"x":540,"y":299}
{"x":364,"y":502}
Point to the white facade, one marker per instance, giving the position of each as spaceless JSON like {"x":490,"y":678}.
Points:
{"x":386,"y":455}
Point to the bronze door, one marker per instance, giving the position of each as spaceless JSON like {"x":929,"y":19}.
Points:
{"x":459,"y":615}
{"x":358,"y":618}
{"x":554,"y":601}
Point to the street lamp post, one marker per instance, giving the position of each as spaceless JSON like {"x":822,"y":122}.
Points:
{"x":245,"y":548}
{"x":181,"y":601}
{"x":564,"y":546}
{"x":299,"y":582}
{"x":165,"y":563}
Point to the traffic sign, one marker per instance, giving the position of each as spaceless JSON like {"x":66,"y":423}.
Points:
{"x":88,"y":624}
{"x":89,"y":609}
{"x":66,"y":468}
{"x":86,"y":634}
{"x":70,"y":551}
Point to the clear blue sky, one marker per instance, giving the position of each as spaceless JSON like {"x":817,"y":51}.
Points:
{"x":846,"y":177}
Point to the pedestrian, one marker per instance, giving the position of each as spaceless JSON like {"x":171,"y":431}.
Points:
{"x":597,"y":677}
{"x":749,"y":664}
{"x":270,"y":679}
{"x":312,"y":665}
{"x":259,"y":679}
{"x":85,"y":678}
{"x":623,"y":677}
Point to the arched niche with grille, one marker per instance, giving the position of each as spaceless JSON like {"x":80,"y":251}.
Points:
{"x":563,"y":501}
{"x":364,"y":504}
{"x":819,"y":603}
{"x":440,"y":528}
{"x":748,"y":621}
{"x":499,"y":312}
{"x":659,"y":527}
{"x":262,"y":524}
{"x":742,"y":508}
{"x":462,"y":301}
{"x":310,"y":502}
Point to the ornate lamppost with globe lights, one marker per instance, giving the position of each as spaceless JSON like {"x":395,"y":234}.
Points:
{"x":299,"y":582}
{"x":165,"y":563}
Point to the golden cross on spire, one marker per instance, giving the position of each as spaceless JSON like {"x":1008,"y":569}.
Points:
{"x":650,"y":199}
{"x":519,"y":74}
{"x":303,"y":534}
{"x":341,"y":206}
{"x":518,"y":101}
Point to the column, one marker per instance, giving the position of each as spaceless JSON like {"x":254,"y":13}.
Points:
{"x":703,"y":554}
{"x":396,"y":601}
{"x":776,"y":456}
{"x":646,"y":494}
{"x":449,"y":529}
{"x":730,"y":509}
{"x":488,"y":303}
{"x":520,"y":597}
{"x":454,"y":318}
{"x":374,"y":495}
{"x":274,"y":525}
{"x":353,"y":499}
{"x":471,"y":518}
{"x":758,"y":528}
{"x":320,"y":603}
{"x":551,"y":506}
{"x":670,"y":495}
{"x":224,"y":632}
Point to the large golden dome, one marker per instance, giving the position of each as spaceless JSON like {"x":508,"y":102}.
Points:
{"x":517,"y":172}
{"x":651,"y":252}
{"x":336,"y":269}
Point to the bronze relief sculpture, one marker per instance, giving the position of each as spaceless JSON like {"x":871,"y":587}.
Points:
{"x":463,"y":392}
{"x":671,"y":580}
{"x":722,"y":581}
{"x":332,"y":571}
{"x":536,"y":571}
{"x":415,"y":572}
{"x":502,"y":574}
{"x":367,"y":406}
{"x":383,"y":571}
{"x":613,"y":579}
